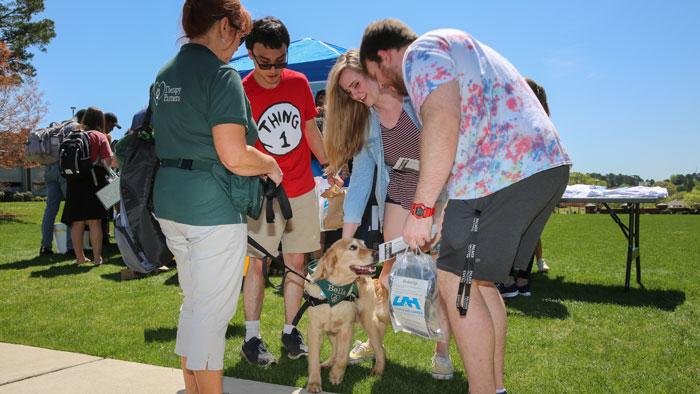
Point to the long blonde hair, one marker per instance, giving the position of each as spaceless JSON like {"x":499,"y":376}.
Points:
{"x":346,"y":119}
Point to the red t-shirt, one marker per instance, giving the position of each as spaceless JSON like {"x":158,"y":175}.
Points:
{"x":281,"y":114}
{"x":99,"y":147}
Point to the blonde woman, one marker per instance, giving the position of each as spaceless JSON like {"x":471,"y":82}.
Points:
{"x":375,"y":126}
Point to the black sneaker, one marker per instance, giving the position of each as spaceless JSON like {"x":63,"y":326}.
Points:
{"x":524,"y":290}
{"x":254,"y":352}
{"x":70,"y":253}
{"x":44,"y":251}
{"x":294,"y":343}
{"x":507,"y":291}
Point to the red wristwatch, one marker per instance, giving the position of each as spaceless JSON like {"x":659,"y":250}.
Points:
{"x":421,"y":211}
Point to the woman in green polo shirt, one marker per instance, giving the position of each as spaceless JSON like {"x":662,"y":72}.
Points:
{"x":203,"y":121}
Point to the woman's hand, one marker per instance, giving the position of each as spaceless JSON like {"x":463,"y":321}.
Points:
{"x":335,"y":180}
{"x":276,"y":174}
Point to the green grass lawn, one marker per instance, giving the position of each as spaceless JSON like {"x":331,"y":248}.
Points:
{"x":579,"y":332}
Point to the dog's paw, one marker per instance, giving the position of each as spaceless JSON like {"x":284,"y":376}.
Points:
{"x":314,"y":387}
{"x":376,"y":371}
{"x":335,"y":377}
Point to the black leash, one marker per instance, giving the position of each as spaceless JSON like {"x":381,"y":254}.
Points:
{"x":465,"y":283}
{"x":266,"y":274}
{"x":271,"y":192}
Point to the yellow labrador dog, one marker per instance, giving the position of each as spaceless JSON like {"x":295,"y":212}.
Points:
{"x":347,"y":261}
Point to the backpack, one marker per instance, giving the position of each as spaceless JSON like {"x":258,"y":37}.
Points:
{"x":145,"y":241}
{"x":74,"y":156}
{"x":131,"y":251}
{"x":43,"y":145}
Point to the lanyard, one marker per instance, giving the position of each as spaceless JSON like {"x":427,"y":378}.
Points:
{"x":465,"y":283}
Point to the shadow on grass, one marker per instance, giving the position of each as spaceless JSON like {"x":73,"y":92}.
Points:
{"x":62,"y":270}
{"x":117,"y":276}
{"x":35,"y":262}
{"x":397,"y":378}
{"x":66,"y":269}
{"x":12,"y":220}
{"x":172,"y":281}
{"x":164,"y":334}
{"x":546,"y":292}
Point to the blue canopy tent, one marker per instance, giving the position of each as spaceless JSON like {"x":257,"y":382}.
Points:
{"x":309,"y":56}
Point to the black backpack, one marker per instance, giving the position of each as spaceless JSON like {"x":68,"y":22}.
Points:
{"x":138,"y":173}
{"x":74,"y":155}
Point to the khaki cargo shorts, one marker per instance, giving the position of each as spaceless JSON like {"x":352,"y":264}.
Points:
{"x":300,"y":234}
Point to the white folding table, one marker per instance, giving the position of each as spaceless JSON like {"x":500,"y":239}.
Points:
{"x":630,"y":231}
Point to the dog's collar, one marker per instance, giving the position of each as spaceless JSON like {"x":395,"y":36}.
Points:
{"x":335,"y":294}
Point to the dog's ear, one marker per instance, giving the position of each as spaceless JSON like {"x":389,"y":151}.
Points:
{"x":325,"y":265}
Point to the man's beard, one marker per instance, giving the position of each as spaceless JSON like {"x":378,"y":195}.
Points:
{"x":396,"y":80}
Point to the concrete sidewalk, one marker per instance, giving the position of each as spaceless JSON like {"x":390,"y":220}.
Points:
{"x":29,"y":370}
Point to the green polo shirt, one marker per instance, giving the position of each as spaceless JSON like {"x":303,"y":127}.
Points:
{"x":194,"y":92}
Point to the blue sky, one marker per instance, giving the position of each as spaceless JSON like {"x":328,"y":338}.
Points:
{"x":621,"y":76}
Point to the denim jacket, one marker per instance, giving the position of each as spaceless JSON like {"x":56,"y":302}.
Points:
{"x":364,"y":163}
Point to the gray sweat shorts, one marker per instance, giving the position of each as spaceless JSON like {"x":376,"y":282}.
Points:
{"x":511,"y":222}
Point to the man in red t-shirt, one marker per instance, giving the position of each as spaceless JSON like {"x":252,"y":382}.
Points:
{"x":284,"y":110}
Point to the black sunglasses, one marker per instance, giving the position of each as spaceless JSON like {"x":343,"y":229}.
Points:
{"x":234,"y":26}
{"x":269,"y":66}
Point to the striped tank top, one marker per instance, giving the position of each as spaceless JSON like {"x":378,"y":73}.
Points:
{"x":403,"y":140}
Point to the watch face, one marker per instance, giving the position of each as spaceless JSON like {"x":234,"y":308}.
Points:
{"x":419,"y":211}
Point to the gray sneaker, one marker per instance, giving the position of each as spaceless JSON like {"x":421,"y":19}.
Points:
{"x":254,"y":352}
{"x":294,"y":343}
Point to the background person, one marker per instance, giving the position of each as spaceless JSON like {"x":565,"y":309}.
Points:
{"x":55,"y":193}
{"x":519,"y":284}
{"x":201,"y":114}
{"x":376,"y":126}
{"x":110,"y":123}
{"x":82,"y":204}
{"x":485,"y":132}
{"x":284,"y":110}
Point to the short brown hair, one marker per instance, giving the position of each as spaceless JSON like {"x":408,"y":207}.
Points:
{"x":540,"y":93}
{"x":93,"y":119}
{"x":383,"y":35}
{"x":198,"y":16}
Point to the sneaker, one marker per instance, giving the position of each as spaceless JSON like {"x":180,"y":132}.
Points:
{"x":542,"y":265}
{"x":507,"y":291}
{"x":360,"y":352}
{"x":254,"y":352}
{"x":442,"y":367}
{"x":70,"y":253}
{"x":294,"y":343}
{"x":44,"y":251}
{"x":524,"y":290}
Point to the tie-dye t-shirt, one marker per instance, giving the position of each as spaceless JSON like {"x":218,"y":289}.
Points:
{"x":505,"y":135}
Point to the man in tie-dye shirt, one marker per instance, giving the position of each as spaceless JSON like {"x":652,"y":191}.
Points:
{"x":486,"y":135}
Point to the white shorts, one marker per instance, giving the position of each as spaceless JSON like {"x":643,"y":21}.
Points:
{"x":210,"y":262}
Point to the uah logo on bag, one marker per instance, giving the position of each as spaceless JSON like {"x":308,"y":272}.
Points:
{"x":279,"y":128}
{"x":166,"y":93}
{"x":406,"y":301}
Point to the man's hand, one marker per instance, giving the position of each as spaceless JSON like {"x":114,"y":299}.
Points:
{"x":416,"y":232}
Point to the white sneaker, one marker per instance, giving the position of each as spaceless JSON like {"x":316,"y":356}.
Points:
{"x":360,"y":352}
{"x":442,"y":368}
{"x":542,"y":265}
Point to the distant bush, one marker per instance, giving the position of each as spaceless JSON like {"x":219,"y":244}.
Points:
{"x":2,"y":196}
